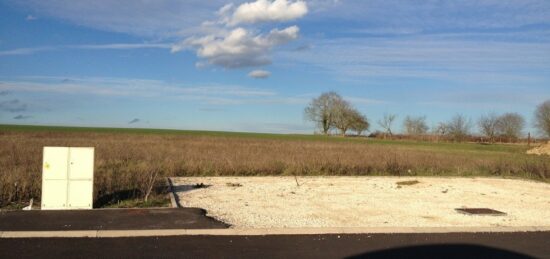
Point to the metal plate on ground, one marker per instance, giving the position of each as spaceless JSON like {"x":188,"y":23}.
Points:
{"x":480,"y":211}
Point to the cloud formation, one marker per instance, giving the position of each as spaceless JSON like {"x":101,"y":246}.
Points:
{"x":113,"y":46}
{"x":25,"y":51}
{"x":13,"y":105}
{"x":156,"y":89}
{"x":259,"y":74}
{"x":264,"y":11}
{"x":22,"y":117}
{"x":160,"y":18}
{"x":30,"y":18}
{"x":136,"y":120}
{"x":240,"y":48}
{"x":231,"y":47}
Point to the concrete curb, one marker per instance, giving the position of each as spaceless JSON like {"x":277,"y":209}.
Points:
{"x":260,"y":232}
{"x":174,"y":200}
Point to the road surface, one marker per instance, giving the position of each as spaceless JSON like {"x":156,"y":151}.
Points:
{"x":451,"y":245}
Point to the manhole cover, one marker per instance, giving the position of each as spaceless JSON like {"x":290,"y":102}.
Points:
{"x":480,"y":211}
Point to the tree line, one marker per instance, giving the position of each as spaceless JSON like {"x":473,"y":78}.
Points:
{"x":330,"y":111}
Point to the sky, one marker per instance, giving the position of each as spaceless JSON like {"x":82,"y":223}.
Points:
{"x":255,"y":65}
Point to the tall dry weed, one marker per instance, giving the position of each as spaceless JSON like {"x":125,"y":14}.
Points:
{"x":124,"y":162}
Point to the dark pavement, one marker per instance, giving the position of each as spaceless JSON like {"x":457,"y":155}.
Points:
{"x":452,"y":245}
{"x":107,"y":219}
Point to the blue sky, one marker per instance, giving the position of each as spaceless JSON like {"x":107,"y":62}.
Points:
{"x":254,"y":65}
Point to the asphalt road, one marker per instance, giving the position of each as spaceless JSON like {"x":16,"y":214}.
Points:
{"x":452,"y":245}
{"x":107,"y":219}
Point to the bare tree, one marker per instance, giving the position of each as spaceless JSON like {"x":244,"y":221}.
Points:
{"x":459,"y":127}
{"x":542,"y":118}
{"x":440,"y":129}
{"x":344,"y":116}
{"x":321,"y":110}
{"x":360,"y":123}
{"x":415,"y":125}
{"x":510,"y":125}
{"x":386,"y":122}
{"x":488,"y":126}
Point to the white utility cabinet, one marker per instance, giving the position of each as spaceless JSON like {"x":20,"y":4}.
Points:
{"x":67,"y":178}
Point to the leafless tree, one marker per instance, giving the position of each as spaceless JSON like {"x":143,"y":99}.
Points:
{"x":510,"y":125}
{"x":542,"y":118}
{"x":415,"y":125}
{"x":321,"y":110}
{"x":440,"y":129}
{"x":488,"y":126}
{"x":360,"y":123}
{"x":386,"y":122}
{"x":344,"y":116}
{"x":459,"y":127}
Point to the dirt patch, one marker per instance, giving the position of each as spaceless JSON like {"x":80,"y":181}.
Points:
{"x":277,"y":202}
{"x":543,"y":149}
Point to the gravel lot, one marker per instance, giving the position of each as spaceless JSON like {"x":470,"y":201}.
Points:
{"x":277,"y":202}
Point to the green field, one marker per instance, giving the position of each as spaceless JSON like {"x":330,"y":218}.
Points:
{"x":425,"y":145}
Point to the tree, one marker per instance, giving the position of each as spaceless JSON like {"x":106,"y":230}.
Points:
{"x":510,"y":125}
{"x":542,"y":118}
{"x":415,"y":125}
{"x":440,"y":129}
{"x":459,"y":127}
{"x":345,"y":115}
{"x":321,"y":110}
{"x":488,"y":126}
{"x":360,"y":123}
{"x":386,"y":122}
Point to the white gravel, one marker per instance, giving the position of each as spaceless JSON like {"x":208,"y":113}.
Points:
{"x":277,"y":202}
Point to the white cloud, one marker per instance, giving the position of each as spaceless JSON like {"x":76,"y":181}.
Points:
{"x":265,"y":11}
{"x":177,"y":18}
{"x":116,"y":46}
{"x":222,"y":44}
{"x":159,"y":18}
{"x":30,"y":18}
{"x":430,"y":57}
{"x":260,"y":74}
{"x":141,"y":88}
{"x":122,"y":87}
{"x":25,"y":51}
{"x":124,"y":46}
{"x":239,"y":47}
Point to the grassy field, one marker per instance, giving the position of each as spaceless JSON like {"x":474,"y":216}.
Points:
{"x":126,"y":158}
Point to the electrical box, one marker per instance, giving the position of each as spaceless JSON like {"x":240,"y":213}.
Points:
{"x":67,"y":178}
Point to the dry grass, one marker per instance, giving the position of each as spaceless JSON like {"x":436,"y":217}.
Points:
{"x":124,"y":161}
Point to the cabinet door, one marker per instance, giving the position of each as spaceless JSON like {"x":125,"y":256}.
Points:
{"x":80,"y":194}
{"x":81,"y":164}
{"x":54,"y":164}
{"x":54,"y":178}
{"x":54,"y":195}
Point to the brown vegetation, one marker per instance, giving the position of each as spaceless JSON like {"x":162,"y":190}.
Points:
{"x":124,"y":161}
